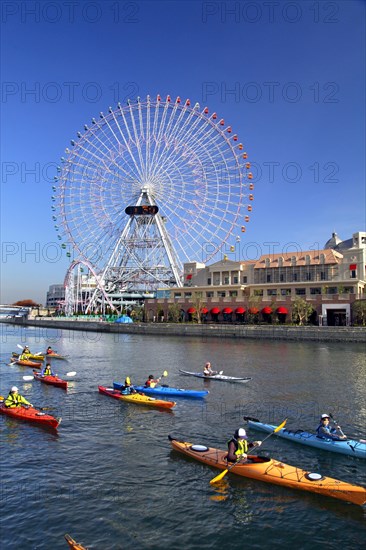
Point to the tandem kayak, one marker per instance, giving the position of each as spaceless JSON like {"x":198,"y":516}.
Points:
{"x":271,"y":470}
{"x":30,"y":356}
{"x":137,"y":398}
{"x":349,"y":447}
{"x":166,"y":390}
{"x":51,"y":380}
{"x":30,"y":414}
{"x":73,"y":544}
{"x":26,"y":363}
{"x":221,"y":377}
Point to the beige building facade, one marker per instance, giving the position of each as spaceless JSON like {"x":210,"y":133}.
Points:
{"x":264,"y":290}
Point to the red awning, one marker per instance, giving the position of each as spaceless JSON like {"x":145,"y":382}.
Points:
{"x":227,"y":310}
{"x":267,"y":310}
{"x":191,"y":310}
{"x":204,"y":310}
{"x":253,"y":310}
{"x":282,"y":310}
{"x":240,"y":310}
{"x":353,"y":267}
{"x":215,"y":310}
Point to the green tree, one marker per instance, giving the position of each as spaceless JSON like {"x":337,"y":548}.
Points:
{"x":198,"y":304}
{"x":359,"y":312}
{"x":174,"y":313}
{"x":301,"y":311}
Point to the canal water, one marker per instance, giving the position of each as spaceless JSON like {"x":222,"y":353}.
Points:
{"x":109,"y":478}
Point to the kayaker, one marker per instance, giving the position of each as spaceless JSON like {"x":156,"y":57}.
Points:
{"x":207,"y":371}
{"x":47,"y":371}
{"x":128,"y":388}
{"x":238,"y":446}
{"x":325,"y":431}
{"x":26,"y":350}
{"x":50,"y":351}
{"x":151,"y":382}
{"x":14,"y":399}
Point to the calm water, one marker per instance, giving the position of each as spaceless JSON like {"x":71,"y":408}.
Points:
{"x":110,"y":479}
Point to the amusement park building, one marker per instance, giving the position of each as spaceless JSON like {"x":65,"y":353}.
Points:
{"x":227,"y":291}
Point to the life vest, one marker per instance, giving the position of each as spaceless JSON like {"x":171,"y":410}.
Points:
{"x":241,"y":446}
{"x":47,"y":372}
{"x":14,"y":400}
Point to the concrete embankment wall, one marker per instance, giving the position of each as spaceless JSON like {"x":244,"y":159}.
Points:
{"x":269,"y":332}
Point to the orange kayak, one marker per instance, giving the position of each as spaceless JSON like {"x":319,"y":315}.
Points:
{"x":137,"y":398}
{"x":26,"y":363}
{"x":274,"y":471}
{"x":73,"y":544}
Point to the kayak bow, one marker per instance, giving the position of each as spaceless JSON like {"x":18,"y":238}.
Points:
{"x":273,"y":471}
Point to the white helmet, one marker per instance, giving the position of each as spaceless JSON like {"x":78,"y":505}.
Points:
{"x":242,"y":432}
{"x":324,"y":416}
{"x":14,"y":388}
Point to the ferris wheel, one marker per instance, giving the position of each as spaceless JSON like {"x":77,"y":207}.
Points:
{"x":147,"y":187}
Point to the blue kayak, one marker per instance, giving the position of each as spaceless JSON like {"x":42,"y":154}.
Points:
{"x":166,"y":390}
{"x":349,"y":447}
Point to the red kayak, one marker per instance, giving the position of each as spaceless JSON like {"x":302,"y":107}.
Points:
{"x":50,"y":379}
{"x":26,"y":363}
{"x":30,"y":414}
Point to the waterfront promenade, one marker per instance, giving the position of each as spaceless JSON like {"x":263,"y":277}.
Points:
{"x":267,"y":332}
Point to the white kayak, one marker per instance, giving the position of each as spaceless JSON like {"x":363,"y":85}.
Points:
{"x":218,"y":376}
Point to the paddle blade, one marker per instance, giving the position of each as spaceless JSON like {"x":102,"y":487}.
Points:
{"x":219,"y":477}
{"x":28,"y":378}
{"x":20,"y":347}
{"x":280,"y":426}
{"x":72,"y":373}
{"x":165,"y":373}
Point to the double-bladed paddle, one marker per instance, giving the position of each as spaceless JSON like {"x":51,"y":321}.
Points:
{"x":223,"y":474}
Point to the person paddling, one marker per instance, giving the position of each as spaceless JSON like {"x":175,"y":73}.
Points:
{"x":128,"y":388}
{"x":47,"y":371}
{"x":238,"y":446}
{"x":151,"y":382}
{"x":14,"y":399}
{"x":207,"y":371}
{"x":50,"y":351}
{"x":325,"y":431}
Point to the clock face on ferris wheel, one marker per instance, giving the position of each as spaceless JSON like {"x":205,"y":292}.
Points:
{"x":190,"y":164}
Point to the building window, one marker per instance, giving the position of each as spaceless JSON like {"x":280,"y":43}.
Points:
{"x":226,"y":280}
{"x":307,"y":276}
{"x":235,"y":280}
{"x":233,"y":293}
{"x":300,"y":291}
{"x":177,"y":294}
{"x":282,"y":277}
{"x":322,"y":276}
{"x":271,"y":292}
{"x":353,"y":274}
{"x":221,"y":294}
{"x":294,"y":277}
{"x":187,"y":294}
{"x":285,"y":291}
{"x":245,"y":279}
{"x":258,"y":292}
{"x":268,"y":278}
{"x":209,"y":281}
{"x":316,"y":290}
{"x":332,"y":290}
{"x":209,"y":294}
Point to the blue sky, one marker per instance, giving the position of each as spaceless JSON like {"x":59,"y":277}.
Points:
{"x":288,"y":76}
